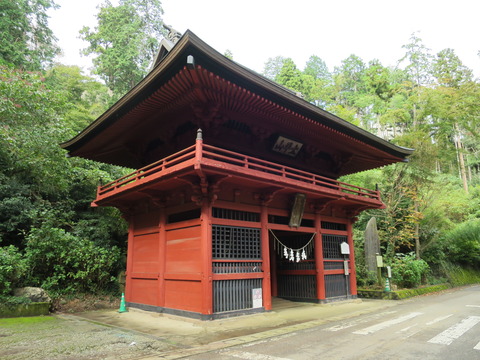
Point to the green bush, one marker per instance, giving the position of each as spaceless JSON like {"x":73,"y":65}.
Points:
{"x":63,"y":263}
{"x":407,"y":272}
{"x":12,"y":269}
{"x":458,"y":276}
{"x":365,"y":278}
{"x":11,"y":302}
{"x":462,"y":244}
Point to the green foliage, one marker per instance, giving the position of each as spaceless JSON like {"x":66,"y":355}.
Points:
{"x":273,"y":66}
{"x":26,"y":42}
{"x":85,"y":99}
{"x":12,"y":269}
{"x":462,"y":244}
{"x":125,"y":41}
{"x":61,"y":262}
{"x":407,"y":272}
{"x":459,"y":276}
{"x":10,"y":302}
{"x":401,"y":294}
{"x":60,"y":242}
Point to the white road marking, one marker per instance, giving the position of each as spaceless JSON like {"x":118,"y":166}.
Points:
{"x":251,"y":356}
{"x":438,"y":319}
{"x":408,"y":327}
{"x":475,"y":306}
{"x":477,"y":347}
{"x":406,"y":333}
{"x":350,"y":324}
{"x":454,"y":332}
{"x":276,"y":338}
{"x":386,"y":324}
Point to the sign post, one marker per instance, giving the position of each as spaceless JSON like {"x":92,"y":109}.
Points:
{"x":345,"y":250}
{"x":379,"y":269}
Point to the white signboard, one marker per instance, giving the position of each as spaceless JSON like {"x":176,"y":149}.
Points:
{"x":379,"y":261}
{"x":257,"y":298}
{"x":344,"y":248}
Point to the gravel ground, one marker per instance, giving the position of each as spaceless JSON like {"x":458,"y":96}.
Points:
{"x":64,"y":337}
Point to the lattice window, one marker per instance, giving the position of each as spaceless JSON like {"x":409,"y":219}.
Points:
{"x":328,"y":225}
{"x":235,"y":215}
{"x":331,"y":246}
{"x":229,"y":242}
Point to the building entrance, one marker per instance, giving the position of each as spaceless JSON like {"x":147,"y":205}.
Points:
{"x":293,"y":265}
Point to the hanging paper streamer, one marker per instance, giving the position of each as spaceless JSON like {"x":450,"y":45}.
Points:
{"x":295,"y":255}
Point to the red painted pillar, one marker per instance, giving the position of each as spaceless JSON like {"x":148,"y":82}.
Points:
{"x":353,"y":270}
{"x":265,"y":244}
{"x":319,"y":266}
{"x":206,"y":254}
{"x":128,"y":273}
{"x":162,"y":238}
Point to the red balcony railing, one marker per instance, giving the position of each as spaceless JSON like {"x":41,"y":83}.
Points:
{"x":201,"y":154}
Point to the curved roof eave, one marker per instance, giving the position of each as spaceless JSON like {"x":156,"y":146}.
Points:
{"x":190,"y":44}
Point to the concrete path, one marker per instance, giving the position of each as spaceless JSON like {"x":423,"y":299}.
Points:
{"x":190,"y":337}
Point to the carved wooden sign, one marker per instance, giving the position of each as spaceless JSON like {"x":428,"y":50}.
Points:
{"x":287,"y":146}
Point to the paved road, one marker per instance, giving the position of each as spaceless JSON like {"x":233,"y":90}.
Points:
{"x":443,"y":326}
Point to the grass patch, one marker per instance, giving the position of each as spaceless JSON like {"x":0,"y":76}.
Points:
{"x":401,"y":294}
{"x":458,"y":276}
{"x":21,"y":310}
{"x":31,"y":320}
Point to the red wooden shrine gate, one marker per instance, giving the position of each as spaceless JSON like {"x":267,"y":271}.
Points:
{"x":218,"y":228}
{"x":208,"y":258}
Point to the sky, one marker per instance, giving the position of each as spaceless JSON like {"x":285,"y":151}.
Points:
{"x":256,"y":30}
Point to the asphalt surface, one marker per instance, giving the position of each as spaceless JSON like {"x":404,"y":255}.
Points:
{"x":440,"y":326}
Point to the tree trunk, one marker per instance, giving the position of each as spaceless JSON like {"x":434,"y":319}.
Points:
{"x":461,"y":158}
{"x":417,"y":233}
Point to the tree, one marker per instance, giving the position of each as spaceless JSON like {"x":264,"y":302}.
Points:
{"x":85,"y":98}
{"x":125,"y":42}
{"x":453,"y":79}
{"x":351,"y":95}
{"x":273,"y":66}
{"x":418,"y":69}
{"x":317,"y":68}
{"x":449,"y":70}
{"x":322,"y":91}
{"x":26,"y":42}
